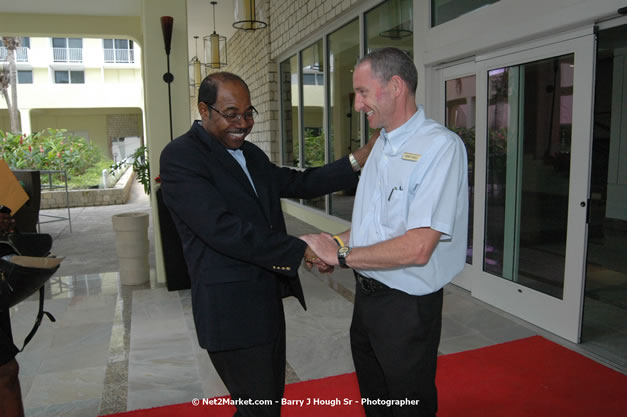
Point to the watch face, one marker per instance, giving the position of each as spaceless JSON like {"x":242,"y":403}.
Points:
{"x":344,"y":250}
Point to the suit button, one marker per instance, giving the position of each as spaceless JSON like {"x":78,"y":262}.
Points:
{"x":288,"y":268}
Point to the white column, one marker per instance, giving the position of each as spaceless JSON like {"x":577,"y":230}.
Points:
{"x":157,"y":119}
{"x":25,"y":121}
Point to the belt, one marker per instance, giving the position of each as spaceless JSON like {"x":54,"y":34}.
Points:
{"x":369,"y":284}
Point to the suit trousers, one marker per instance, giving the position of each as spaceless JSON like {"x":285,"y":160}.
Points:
{"x":254,"y":373}
{"x":394,"y":342}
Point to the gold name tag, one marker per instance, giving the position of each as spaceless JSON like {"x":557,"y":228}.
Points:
{"x":410,"y":156}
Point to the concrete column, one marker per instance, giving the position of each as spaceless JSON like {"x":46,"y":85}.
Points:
{"x":25,"y":121}
{"x":157,"y":119}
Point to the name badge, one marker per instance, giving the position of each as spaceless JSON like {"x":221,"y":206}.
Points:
{"x":410,"y":156}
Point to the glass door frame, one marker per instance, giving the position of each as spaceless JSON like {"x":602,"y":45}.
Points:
{"x":559,"y":316}
{"x":448,"y":72}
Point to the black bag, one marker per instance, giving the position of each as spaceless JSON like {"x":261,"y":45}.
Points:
{"x":22,"y":276}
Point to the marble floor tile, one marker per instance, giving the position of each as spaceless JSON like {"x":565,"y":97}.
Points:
{"x":80,"y":408}
{"x":65,"y":387}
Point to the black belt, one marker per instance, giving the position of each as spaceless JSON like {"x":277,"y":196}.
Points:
{"x":369,"y":284}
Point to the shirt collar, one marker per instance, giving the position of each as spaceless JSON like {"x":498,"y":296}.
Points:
{"x":395,"y":139}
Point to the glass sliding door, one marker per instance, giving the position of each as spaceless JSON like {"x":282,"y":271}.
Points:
{"x":344,"y":130}
{"x":605,"y":302}
{"x":532,"y":163}
{"x":530,"y":117}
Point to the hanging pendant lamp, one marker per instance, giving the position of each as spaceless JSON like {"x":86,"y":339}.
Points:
{"x":248,"y":15}
{"x":215,"y":46}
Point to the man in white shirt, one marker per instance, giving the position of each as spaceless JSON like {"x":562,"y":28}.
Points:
{"x":408,"y":239}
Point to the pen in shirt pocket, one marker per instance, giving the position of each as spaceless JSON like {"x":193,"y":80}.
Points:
{"x":399,"y":188}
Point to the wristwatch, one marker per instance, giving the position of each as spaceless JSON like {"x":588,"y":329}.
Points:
{"x":342,"y":253}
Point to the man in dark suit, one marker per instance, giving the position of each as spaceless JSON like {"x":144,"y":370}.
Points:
{"x":224,"y":196}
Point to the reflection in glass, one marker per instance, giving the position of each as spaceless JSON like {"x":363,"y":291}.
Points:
{"x":605,"y":302}
{"x":344,"y":131}
{"x":529,"y":136}
{"x":461,"y":100}
{"x":390,"y":24}
{"x":313,"y":112}
{"x":289,"y":108}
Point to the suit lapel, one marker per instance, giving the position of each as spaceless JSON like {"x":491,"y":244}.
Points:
{"x":231,"y":166}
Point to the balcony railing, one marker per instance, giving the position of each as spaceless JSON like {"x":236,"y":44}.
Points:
{"x":67,"y":54}
{"x":21,"y":54}
{"x":126,"y":56}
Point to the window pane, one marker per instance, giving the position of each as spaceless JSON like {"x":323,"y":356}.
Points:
{"x":59,"y":42}
{"x":121,"y":44}
{"x":344,"y":131}
{"x":390,"y":24}
{"x":78,"y":77}
{"x":529,"y":137}
{"x":61,"y":77}
{"x":445,"y":10}
{"x":313,"y":110}
{"x":25,"y":42}
{"x":461,"y":99}
{"x":107,"y":43}
{"x":289,"y":103}
{"x":75,"y":42}
{"x":25,"y":77}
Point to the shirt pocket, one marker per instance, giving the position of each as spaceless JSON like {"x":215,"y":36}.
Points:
{"x":394,"y":216}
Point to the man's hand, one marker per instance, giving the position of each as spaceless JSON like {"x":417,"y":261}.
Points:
{"x":324,"y":246}
{"x":312,"y":259}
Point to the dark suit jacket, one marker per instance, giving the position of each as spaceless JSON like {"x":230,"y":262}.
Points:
{"x":240,"y":259}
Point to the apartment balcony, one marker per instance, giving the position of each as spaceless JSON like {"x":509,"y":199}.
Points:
{"x":67,"y":54}
{"x":21,"y":54}
{"x":119,"y":56}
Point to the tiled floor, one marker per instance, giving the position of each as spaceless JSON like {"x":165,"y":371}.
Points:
{"x":115,"y":348}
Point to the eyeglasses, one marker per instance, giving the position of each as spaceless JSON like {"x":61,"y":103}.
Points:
{"x":249,"y":116}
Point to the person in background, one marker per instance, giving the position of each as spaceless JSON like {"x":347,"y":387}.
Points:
{"x":407,"y":239}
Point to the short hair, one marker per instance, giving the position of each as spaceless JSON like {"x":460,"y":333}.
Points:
{"x":208,"y":91}
{"x":388,"y":62}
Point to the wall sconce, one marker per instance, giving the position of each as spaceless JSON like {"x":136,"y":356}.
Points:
{"x":248,"y":16}
{"x":215,"y":46}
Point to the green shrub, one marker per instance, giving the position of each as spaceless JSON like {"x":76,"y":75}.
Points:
{"x":50,"y":149}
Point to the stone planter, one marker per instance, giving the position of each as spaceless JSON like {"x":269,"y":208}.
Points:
{"x":132,"y":247}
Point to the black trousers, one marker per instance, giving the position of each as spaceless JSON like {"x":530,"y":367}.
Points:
{"x":255,"y":373}
{"x":394,"y":341}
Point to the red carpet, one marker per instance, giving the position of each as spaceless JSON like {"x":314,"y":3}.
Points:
{"x":530,"y":377}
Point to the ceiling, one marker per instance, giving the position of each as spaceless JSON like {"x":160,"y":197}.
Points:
{"x":199,"y":13}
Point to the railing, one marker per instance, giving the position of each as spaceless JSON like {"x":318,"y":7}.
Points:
{"x":21,"y":54}
{"x":119,"y":56}
{"x":67,"y":54}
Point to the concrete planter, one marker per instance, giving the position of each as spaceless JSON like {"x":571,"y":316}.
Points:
{"x":132,"y":247}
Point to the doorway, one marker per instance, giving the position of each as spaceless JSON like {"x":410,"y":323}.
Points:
{"x":604,"y":329}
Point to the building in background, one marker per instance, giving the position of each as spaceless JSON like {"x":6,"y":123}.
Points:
{"x":91,"y":87}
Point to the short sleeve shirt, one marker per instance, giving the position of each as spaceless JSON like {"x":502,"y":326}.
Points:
{"x":416,"y":176}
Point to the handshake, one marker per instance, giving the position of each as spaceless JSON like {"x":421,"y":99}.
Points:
{"x":321,"y":251}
